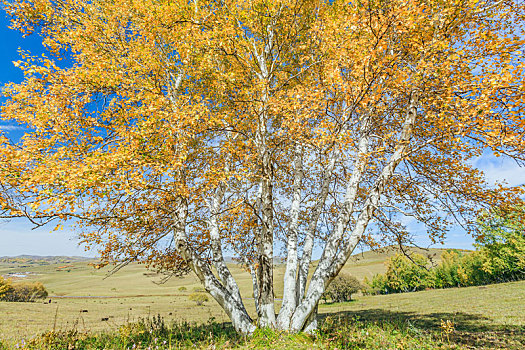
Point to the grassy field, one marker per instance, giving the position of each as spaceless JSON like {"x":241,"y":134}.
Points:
{"x":82,"y":300}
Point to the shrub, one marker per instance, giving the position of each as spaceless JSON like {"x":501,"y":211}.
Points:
{"x":25,"y":291}
{"x":502,"y":242}
{"x":182,"y":289}
{"x":342,"y":288}
{"x":378,"y":285}
{"x":451,"y":272}
{"x":405,"y":275}
{"x":472,"y":267}
{"x":402,"y":275}
{"x":5,"y":287}
{"x":198,"y":298}
{"x":500,"y":257}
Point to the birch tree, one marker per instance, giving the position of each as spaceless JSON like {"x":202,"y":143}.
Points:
{"x":178,"y":133}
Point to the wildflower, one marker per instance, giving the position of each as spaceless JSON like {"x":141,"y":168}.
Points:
{"x":447,"y":328}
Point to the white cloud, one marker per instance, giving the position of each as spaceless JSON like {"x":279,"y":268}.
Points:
{"x":12,"y":127}
{"x":500,"y":169}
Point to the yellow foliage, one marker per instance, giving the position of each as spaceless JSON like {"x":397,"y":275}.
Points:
{"x":205,"y":120}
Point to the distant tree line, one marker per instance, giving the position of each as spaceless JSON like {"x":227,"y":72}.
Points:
{"x":499,"y":257}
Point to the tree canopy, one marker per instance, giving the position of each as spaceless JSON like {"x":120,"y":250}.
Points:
{"x":178,"y":132}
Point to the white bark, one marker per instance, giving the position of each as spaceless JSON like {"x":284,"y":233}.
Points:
{"x":231,"y":305}
{"x":308,"y":246}
{"x":290,"y":274}
{"x":311,"y":323}
{"x":265,"y":239}
{"x":331,"y":261}
{"x":255,"y":290}
{"x":216,"y":246}
{"x":265,"y":268}
{"x":384,"y":177}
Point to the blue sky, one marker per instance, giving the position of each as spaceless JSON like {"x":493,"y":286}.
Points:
{"x":17,"y":236}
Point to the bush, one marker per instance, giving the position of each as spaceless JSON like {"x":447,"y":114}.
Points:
{"x":378,"y":285}
{"x":405,"y":275}
{"x":342,"y":288}
{"x":502,"y":241}
{"x":199,"y":298}
{"x":402,"y":275}
{"x":451,"y":271}
{"x":182,"y":289}
{"x":25,"y":292}
{"x":500,"y":257}
{"x":5,"y":287}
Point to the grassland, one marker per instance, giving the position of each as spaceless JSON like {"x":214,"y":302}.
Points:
{"x":82,"y":300}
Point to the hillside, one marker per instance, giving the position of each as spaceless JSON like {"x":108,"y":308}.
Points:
{"x":74,"y":276}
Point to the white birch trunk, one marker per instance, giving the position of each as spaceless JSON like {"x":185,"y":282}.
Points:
{"x":216,"y":246}
{"x":308,"y":246}
{"x":255,"y":287}
{"x":331,"y":261}
{"x":265,"y":239}
{"x":234,"y":309}
{"x":290,"y":274}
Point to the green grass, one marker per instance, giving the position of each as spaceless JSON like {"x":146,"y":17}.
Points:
{"x":334,"y":333}
{"x":478,"y":308}
{"x":488,"y":316}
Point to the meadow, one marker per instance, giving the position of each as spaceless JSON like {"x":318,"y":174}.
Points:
{"x":84,"y":301}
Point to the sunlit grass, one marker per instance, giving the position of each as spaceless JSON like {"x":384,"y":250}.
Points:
{"x":492,"y":314}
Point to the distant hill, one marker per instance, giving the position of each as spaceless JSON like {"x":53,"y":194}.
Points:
{"x":43,"y":259}
{"x":384,"y":253}
{"x":369,"y":263}
{"x":389,"y":251}
{"x":73,"y":276}
{"x":366,"y":257}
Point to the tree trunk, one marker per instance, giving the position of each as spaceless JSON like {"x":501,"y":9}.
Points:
{"x":290,"y":275}
{"x":229,"y":301}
